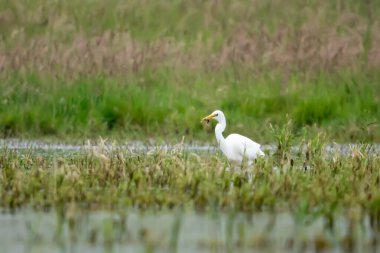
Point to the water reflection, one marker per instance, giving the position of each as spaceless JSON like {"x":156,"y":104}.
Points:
{"x":182,"y":231}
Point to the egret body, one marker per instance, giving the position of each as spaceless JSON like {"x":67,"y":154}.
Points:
{"x":235,"y":147}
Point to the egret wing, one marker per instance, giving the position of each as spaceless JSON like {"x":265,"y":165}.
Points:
{"x":244,"y":146}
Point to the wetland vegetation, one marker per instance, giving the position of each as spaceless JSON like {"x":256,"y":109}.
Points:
{"x":166,"y":179}
{"x":298,"y":75}
{"x":326,"y":200}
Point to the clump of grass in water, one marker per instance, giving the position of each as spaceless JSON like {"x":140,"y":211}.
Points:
{"x":164,"y":180}
{"x":114,"y":179}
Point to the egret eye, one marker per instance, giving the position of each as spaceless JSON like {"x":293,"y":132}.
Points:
{"x":216,"y":115}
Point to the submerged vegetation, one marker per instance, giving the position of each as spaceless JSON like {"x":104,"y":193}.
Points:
{"x":151,"y":69}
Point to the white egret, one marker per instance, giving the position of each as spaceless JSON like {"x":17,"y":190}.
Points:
{"x":235,"y":147}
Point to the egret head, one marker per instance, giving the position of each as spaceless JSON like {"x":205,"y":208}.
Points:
{"x":216,"y":115}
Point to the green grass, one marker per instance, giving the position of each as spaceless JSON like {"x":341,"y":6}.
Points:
{"x":151,"y":69}
{"x":342,"y":106}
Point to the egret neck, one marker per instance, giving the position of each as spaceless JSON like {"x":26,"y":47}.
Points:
{"x":219,"y":128}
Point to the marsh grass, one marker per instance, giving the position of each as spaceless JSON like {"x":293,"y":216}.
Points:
{"x":169,"y":179}
{"x":331,"y":186}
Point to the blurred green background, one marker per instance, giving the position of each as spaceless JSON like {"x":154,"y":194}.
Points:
{"x":78,"y":69}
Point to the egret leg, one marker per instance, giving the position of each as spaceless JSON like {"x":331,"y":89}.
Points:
{"x":251,"y":176}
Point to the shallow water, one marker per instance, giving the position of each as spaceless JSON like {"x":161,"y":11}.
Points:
{"x":136,"y":146}
{"x":130,"y":231}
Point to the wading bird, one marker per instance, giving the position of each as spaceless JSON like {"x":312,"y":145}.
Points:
{"x":235,"y":147}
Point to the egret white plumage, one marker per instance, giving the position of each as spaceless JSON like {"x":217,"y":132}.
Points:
{"x":235,"y":147}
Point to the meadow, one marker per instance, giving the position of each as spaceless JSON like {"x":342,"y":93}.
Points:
{"x":151,"y":70}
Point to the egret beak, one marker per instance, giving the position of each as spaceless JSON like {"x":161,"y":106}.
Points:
{"x":208,"y":118}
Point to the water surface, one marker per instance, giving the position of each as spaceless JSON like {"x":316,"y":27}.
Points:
{"x":177,"y":231}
